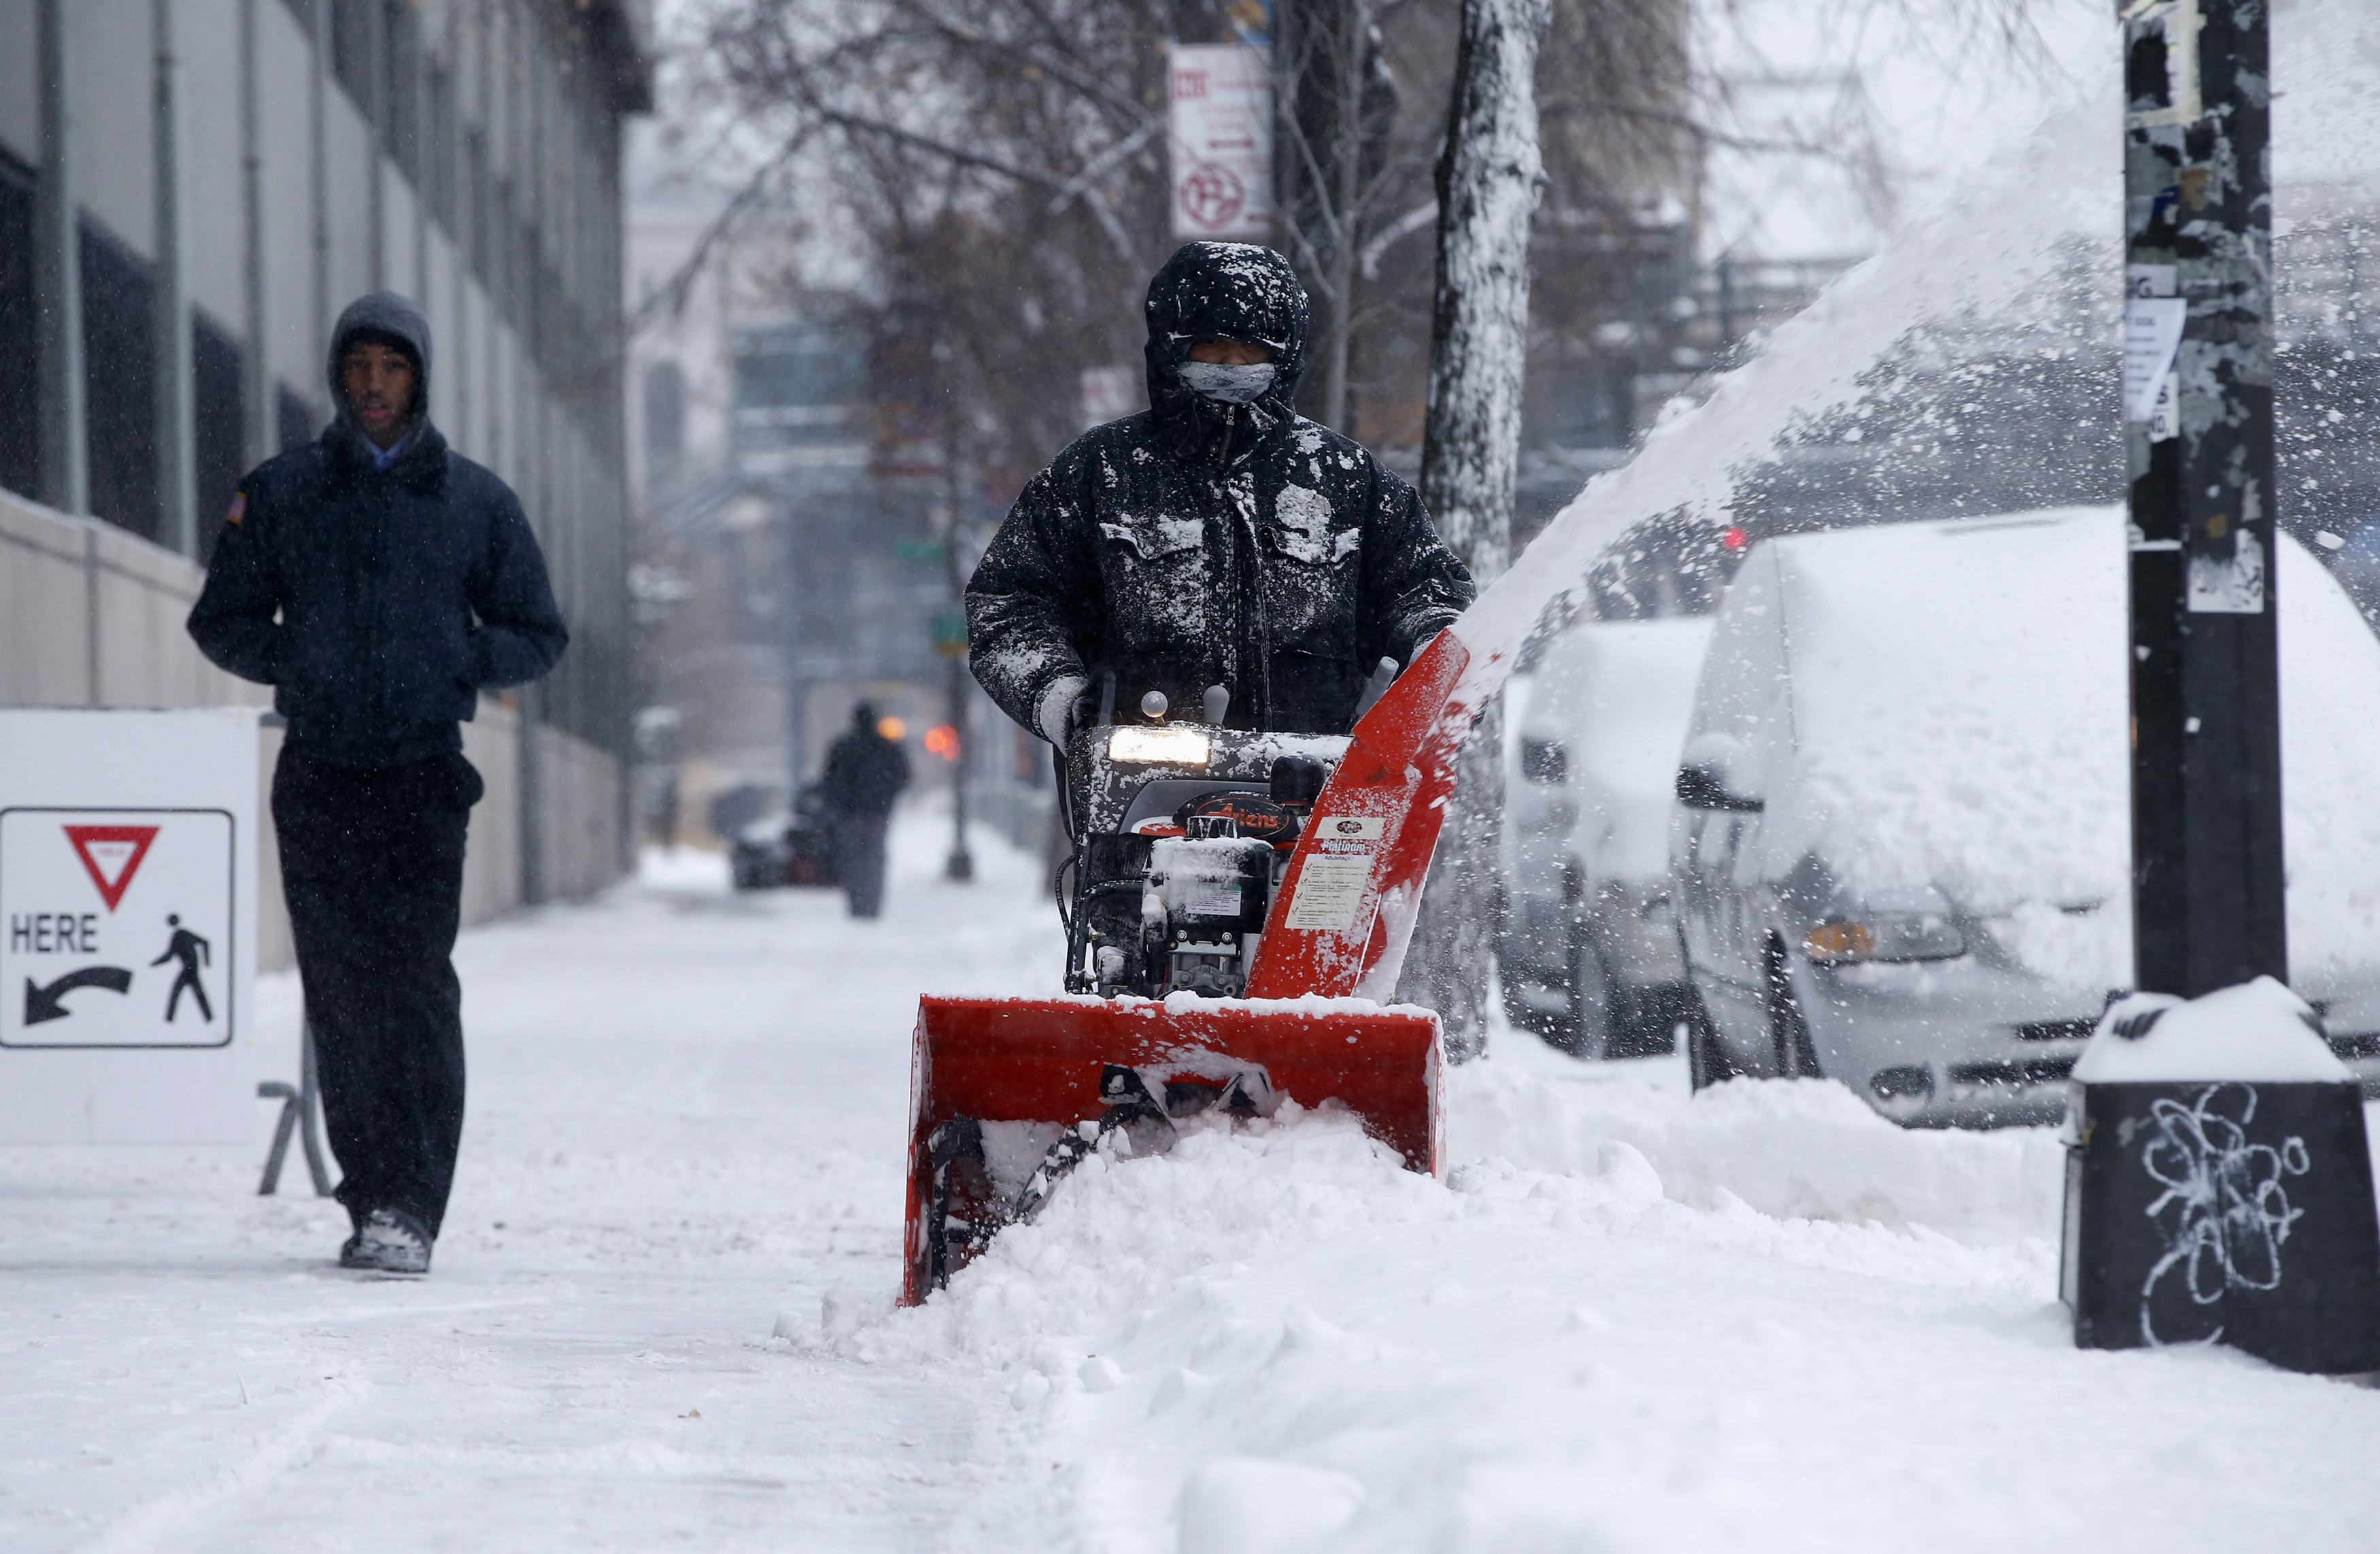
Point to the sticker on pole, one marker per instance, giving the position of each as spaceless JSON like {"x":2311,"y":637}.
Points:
{"x":115,"y":928}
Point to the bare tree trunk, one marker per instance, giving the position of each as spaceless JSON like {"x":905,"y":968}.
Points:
{"x":1488,"y":184}
{"x":1336,"y":109}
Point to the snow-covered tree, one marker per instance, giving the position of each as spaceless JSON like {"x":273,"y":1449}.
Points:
{"x":1487,"y":183}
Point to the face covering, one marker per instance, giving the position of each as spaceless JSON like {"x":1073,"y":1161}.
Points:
{"x":1229,"y":386}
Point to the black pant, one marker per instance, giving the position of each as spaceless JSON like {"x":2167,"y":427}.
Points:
{"x":859,"y":855}
{"x":372,"y":863}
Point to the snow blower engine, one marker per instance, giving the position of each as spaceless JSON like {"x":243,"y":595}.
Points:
{"x":1181,"y":833}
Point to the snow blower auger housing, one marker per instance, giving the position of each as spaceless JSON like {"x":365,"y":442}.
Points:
{"x":1238,"y":906}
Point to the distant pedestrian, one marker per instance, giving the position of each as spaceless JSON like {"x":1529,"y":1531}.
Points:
{"x":193,"y":951}
{"x":865,"y":772}
{"x":379,"y":581}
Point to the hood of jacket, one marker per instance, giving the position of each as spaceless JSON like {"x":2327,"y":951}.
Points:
{"x":1223,"y":291}
{"x":383,"y":312}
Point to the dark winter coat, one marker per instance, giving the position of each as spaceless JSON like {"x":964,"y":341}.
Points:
{"x":1200,"y":543}
{"x":865,"y":772}
{"x":378,"y":604}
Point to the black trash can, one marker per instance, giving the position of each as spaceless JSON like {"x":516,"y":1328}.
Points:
{"x":2228,"y":1210}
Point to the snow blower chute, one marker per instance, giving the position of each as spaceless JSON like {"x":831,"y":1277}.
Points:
{"x":1239,"y":911}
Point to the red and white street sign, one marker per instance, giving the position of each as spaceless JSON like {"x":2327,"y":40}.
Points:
{"x":1222,"y":131}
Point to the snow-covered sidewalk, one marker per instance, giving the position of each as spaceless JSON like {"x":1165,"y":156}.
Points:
{"x":1630,"y":1320}
{"x":686,"y":1116}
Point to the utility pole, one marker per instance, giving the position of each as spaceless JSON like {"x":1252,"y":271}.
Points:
{"x":2198,"y":378}
{"x":2209,"y":1199}
{"x":951,"y":642}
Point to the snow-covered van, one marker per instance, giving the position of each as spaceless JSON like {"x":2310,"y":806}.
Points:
{"x":1902,"y":844}
{"x":1590,"y":957}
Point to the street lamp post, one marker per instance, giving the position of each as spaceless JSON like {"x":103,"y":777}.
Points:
{"x":2232,"y":1200}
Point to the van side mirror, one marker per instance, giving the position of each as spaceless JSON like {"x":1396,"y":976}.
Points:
{"x":1699,"y":788}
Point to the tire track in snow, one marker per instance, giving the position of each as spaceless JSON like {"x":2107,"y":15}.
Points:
{"x":164,"y":1523}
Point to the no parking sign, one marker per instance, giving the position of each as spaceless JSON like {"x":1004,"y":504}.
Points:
{"x":127,"y":924}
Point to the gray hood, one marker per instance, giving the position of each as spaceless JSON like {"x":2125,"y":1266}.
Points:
{"x":384,"y":312}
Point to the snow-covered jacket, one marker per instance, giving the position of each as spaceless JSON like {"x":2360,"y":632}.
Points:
{"x":1200,"y":543}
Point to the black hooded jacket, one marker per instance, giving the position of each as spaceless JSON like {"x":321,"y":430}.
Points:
{"x":377,"y":603}
{"x":1200,"y":543}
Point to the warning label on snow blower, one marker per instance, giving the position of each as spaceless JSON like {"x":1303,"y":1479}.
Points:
{"x":1329,"y":893}
{"x":115,"y":928}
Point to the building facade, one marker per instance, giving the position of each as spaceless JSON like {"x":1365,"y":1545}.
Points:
{"x":190,"y":192}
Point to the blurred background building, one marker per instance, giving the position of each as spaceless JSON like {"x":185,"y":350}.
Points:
{"x":190,"y":192}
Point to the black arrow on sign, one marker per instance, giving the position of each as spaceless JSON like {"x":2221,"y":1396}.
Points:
{"x":44,"y":1003}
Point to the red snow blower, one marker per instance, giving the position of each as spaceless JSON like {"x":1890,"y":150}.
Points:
{"x":1238,"y":911}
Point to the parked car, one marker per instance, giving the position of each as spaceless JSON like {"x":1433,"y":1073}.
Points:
{"x":1900,"y":846}
{"x":1590,"y":955}
{"x":786,"y":849}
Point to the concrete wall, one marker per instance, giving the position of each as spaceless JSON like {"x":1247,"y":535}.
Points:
{"x":74,"y":593}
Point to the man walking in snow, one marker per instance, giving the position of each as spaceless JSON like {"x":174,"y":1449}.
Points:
{"x":1216,"y":538}
{"x":379,"y":581}
{"x":865,"y":772}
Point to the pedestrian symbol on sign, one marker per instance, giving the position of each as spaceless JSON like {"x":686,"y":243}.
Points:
{"x":191,"y":951}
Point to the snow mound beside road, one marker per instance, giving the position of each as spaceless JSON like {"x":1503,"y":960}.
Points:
{"x":1808,"y":1149}
{"x":1277,"y":1338}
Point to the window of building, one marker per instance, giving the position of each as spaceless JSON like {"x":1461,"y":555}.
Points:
{"x":400,"y":86}
{"x":475,"y":203}
{"x":293,"y":419}
{"x":219,"y":422}
{"x":351,"y":52}
{"x":438,"y":149}
{"x":120,"y":383}
{"x":665,"y":425}
{"x":20,"y":380}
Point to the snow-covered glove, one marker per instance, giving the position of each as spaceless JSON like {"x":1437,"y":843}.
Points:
{"x":1055,"y":716}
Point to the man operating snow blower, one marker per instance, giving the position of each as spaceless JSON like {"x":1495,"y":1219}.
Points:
{"x":1231,"y":575}
{"x":1218,"y":539}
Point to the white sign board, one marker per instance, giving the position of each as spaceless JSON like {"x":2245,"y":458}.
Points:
{"x":127,"y":925}
{"x":1222,"y":125}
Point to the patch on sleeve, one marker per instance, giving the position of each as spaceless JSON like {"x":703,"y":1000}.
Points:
{"x":239,"y":507}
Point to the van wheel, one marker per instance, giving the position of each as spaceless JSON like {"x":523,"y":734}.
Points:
{"x":1590,"y":997}
{"x":1708,"y":1061}
{"x":1795,"y":1057}
{"x":1560,"y":1029}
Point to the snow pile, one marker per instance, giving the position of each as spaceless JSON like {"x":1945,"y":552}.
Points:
{"x":1274,"y":1339}
{"x":1121,"y":1238}
{"x":1202,"y":1330}
{"x":2258,"y":1031}
{"x":1809,"y":1149}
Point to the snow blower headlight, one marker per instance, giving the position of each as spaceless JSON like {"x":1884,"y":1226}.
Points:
{"x":1175,"y":746}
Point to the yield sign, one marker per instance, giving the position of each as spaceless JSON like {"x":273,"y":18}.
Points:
{"x":112,"y":853}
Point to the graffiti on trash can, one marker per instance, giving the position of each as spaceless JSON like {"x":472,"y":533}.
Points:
{"x":2224,"y":1209}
